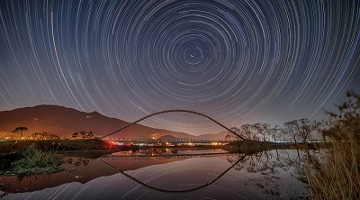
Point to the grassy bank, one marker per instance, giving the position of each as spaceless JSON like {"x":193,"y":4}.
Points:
{"x":44,"y":156}
{"x":30,"y":161}
{"x":338,"y":177}
{"x":24,"y":158}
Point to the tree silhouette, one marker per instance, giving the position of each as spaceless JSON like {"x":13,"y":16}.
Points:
{"x":83,"y":135}
{"x":347,"y":122}
{"x":290,"y":130}
{"x":301,"y":128}
{"x":75,"y":135}
{"x":20,"y":129}
{"x":45,"y":136}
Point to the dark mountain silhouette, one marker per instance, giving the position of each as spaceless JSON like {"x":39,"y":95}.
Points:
{"x":66,"y":121}
{"x":217,"y":136}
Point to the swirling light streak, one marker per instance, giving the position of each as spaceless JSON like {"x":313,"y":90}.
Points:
{"x":236,"y":61}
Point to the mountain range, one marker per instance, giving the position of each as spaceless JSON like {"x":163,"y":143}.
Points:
{"x":64,"y":121}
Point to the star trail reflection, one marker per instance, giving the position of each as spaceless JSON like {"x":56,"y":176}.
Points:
{"x":126,"y":176}
{"x":239,"y":61}
{"x":179,"y":188}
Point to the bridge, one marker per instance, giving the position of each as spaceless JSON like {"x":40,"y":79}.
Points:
{"x":174,"y":111}
{"x":167,"y":142}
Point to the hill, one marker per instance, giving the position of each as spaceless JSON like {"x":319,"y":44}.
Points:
{"x":64,"y":121}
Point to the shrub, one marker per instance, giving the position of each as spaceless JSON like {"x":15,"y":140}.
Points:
{"x":34,"y":161}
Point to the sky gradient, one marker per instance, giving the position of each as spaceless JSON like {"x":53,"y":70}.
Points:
{"x":236,"y":61}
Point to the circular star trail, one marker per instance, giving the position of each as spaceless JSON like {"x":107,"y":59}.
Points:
{"x":236,"y":61}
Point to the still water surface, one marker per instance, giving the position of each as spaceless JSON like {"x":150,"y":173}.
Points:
{"x":167,"y":174}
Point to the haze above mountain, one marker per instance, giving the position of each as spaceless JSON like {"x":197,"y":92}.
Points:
{"x":64,"y":121}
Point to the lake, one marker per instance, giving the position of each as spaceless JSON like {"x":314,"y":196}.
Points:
{"x":167,"y":174}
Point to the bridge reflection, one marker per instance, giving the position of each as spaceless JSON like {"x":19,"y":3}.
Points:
{"x":240,"y":157}
{"x":204,"y":155}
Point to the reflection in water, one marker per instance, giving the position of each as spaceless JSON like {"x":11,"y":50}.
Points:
{"x":174,"y":175}
{"x":178,"y":188}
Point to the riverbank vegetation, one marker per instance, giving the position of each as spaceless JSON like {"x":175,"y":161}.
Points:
{"x":338,"y":175}
{"x":28,"y":157}
{"x":331,"y":163}
{"x":30,"y":161}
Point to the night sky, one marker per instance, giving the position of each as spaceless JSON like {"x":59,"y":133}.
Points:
{"x":236,"y":61}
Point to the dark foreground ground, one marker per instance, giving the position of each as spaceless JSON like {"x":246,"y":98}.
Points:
{"x":43,"y":156}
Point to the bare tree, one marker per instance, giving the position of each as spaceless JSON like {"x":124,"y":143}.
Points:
{"x":265,"y":130}
{"x":276,"y":133}
{"x":301,"y":129}
{"x":248,"y":132}
{"x":290,"y":130}
{"x":306,"y":127}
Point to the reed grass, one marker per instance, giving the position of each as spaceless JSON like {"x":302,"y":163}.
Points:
{"x":338,"y":177}
{"x":34,"y":161}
